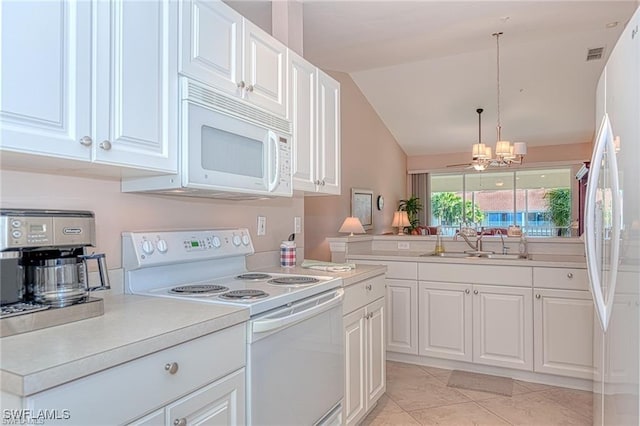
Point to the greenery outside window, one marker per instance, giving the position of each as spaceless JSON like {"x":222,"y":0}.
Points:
{"x":538,"y":200}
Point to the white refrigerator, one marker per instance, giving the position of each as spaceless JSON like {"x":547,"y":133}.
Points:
{"x":612,"y":234}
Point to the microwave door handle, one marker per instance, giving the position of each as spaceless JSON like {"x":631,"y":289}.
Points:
{"x":274,"y":157}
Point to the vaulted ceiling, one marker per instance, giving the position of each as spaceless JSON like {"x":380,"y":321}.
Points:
{"x":426,"y":66}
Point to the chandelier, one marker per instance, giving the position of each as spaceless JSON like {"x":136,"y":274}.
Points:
{"x":507,"y":153}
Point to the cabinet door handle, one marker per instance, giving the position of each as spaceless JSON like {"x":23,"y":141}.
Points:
{"x":570,"y":275}
{"x":106,"y":145}
{"x":368,"y":287}
{"x":241,"y":84}
{"x":250,"y":88}
{"x":475,"y":291}
{"x":86,"y":141}
{"x":172,"y":367}
{"x":467,"y":291}
{"x":538,"y":296}
{"x":180,"y":422}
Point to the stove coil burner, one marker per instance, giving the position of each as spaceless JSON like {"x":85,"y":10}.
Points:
{"x":248,"y":294}
{"x":293,"y":280}
{"x":199,"y":289}
{"x":253,"y":276}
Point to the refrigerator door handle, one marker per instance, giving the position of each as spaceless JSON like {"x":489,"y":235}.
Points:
{"x":603,"y":302}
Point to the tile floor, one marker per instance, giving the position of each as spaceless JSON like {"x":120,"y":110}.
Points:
{"x":419,"y":395}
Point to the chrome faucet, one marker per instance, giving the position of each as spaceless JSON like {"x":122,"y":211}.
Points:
{"x":504,"y":248}
{"x":477,"y":247}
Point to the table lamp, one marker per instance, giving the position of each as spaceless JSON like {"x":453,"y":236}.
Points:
{"x":400,"y":220}
{"x":352,"y":225}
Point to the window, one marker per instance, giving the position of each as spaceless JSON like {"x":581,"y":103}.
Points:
{"x":539,"y":201}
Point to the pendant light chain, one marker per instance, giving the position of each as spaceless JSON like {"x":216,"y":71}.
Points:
{"x":499,"y":126}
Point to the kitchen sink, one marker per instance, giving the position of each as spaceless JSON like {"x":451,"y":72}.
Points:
{"x":448,"y":254}
{"x":503,"y":256}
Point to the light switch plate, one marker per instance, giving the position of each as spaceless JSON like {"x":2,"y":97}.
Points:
{"x":297,"y":225}
{"x":262,"y":225}
{"x":403,"y":245}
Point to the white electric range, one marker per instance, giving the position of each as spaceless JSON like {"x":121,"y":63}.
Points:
{"x":295,"y":350}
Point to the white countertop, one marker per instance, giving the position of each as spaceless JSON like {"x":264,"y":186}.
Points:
{"x":544,"y":260}
{"x":131,"y":327}
{"x":361,"y":272}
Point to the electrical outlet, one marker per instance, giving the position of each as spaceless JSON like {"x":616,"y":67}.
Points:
{"x":403,"y":245}
{"x":262,"y":225}
{"x":297,"y":225}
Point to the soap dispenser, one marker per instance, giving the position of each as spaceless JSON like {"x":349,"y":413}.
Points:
{"x":522,"y":246}
{"x":439,"y":245}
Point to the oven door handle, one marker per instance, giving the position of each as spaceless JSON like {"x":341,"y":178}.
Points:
{"x":265,"y":325}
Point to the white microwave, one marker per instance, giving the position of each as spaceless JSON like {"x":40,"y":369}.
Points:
{"x":228,"y":149}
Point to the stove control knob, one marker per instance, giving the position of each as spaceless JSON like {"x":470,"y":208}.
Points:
{"x":16,"y":223}
{"x":216,"y":242}
{"x":147,"y":247}
{"x":236,"y":240}
{"x":245,"y":240}
{"x":162,"y":246}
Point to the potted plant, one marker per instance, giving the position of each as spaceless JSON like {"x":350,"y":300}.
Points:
{"x":559,"y":208}
{"x":412,"y":206}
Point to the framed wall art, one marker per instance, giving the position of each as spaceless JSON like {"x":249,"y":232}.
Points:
{"x":362,"y":206}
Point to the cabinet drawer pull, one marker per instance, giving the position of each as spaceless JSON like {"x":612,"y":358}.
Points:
{"x":106,"y":145}
{"x":538,"y":296}
{"x":570,"y":275}
{"x":171,"y":367}
{"x":180,"y":422}
{"x":467,"y":291}
{"x":86,"y":141}
{"x":368,"y":287}
{"x":475,"y":291}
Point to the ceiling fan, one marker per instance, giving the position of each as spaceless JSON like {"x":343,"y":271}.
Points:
{"x":473,"y":164}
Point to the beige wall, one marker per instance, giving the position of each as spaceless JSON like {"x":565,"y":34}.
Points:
{"x":117,"y":212}
{"x":371,"y":159}
{"x":577,"y":152}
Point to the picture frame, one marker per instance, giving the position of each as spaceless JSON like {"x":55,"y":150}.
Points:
{"x":362,"y":206}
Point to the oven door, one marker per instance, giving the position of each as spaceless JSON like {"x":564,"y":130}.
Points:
{"x":295,"y":369}
{"x":227,"y":153}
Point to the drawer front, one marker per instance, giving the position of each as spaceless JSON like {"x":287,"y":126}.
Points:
{"x":362,"y":293}
{"x":144,"y":384}
{"x":518,"y":276}
{"x":561,"y":278}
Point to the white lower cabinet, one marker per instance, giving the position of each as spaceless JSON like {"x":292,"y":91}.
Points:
{"x":199,"y":380}
{"x":365,"y":354}
{"x":563,"y":332}
{"x":490,"y":325}
{"x":503,"y":326}
{"x":402,"y":316}
{"x":220,"y":403}
{"x":445,"y":320}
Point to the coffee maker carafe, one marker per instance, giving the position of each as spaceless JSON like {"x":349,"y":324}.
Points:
{"x":46,"y":249}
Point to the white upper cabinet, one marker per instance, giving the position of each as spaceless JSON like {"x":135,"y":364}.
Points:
{"x":136,"y":85}
{"x":314,"y":111}
{"x":328,"y":162}
{"x":222,"y":49}
{"x":302,"y":114}
{"x":92,"y":81}
{"x":45,"y":78}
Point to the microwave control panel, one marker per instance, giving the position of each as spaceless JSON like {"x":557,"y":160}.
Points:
{"x":284,"y":145}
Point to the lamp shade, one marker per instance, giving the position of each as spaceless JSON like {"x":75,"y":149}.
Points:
{"x":352,"y":225}
{"x":400,"y":220}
